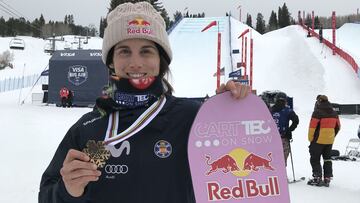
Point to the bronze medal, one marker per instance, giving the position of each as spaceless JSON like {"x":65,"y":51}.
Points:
{"x":97,"y":152}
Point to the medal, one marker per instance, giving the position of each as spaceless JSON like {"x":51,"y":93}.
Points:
{"x":97,"y":152}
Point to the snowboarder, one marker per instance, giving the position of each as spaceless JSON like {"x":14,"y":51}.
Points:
{"x":282,"y":114}
{"x":358,"y":132}
{"x":97,"y":161}
{"x":324,"y":126}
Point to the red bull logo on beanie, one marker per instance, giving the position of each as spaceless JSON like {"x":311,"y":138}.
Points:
{"x":139,"y":26}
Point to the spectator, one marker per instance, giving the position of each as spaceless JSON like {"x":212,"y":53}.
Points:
{"x":282,"y":115}
{"x":321,"y":34}
{"x":66,"y":97}
{"x":324,"y":126}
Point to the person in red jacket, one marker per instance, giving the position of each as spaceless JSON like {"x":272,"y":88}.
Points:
{"x":324,"y":126}
{"x":66,"y":97}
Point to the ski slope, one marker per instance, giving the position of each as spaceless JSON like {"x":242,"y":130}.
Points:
{"x":33,"y":59}
{"x":284,"y":60}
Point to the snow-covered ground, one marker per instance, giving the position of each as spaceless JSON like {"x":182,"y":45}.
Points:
{"x":283,"y":60}
{"x":33,"y":59}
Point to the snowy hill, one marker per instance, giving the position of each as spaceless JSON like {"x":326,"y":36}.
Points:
{"x":33,"y":58}
{"x":284,"y":59}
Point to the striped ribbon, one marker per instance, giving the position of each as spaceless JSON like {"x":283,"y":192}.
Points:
{"x":112,"y":138}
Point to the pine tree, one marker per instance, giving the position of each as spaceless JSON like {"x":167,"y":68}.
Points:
{"x":280,"y":18}
{"x":284,"y":16}
{"x":260,"y":23}
{"x":115,"y":3}
{"x":273,"y":23}
{"x":36,"y":28}
{"x":177,"y":16}
{"x":187,"y":14}
{"x":41,"y":20}
{"x":71,"y":20}
{"x":248,"y":20}
{"x":308,"y":21}
{"x":317,"y":22}
{"x":3,"y":27}
{"x":155,"y":3}
{"x":102,"y":26}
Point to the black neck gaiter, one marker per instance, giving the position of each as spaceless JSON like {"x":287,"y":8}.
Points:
{"x":123,"y":95}
{"x":128,"y":96}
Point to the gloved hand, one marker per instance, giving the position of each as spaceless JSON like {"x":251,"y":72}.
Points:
{"x":288,"y":135}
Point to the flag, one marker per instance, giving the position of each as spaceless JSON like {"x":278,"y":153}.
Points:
{"x":45,"y":73}
{"x":222,"y":72}
{"x":234,"y":74}
{"x":242,"y":34}
{"x":213,"y":23}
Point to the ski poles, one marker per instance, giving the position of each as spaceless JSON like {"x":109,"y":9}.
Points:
{"x":292,"y":162}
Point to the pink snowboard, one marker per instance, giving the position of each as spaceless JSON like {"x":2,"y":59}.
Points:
{"x":235,"y":153}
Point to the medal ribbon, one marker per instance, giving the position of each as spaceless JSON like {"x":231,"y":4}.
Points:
{"x":141,"y":122}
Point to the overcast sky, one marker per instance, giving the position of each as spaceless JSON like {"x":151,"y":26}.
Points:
{"x":88,"y":12}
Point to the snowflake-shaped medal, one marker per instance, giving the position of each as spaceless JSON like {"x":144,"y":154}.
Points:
{"x":97,"y":152}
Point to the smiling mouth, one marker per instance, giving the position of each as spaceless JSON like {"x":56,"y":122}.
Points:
{"x":136,"y":75}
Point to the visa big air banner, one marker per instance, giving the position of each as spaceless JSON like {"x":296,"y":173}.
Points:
{"x":235,"y":153}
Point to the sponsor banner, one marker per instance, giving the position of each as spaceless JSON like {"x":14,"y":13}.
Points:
{"x":235,"y":153}
{"x":77,"y":74}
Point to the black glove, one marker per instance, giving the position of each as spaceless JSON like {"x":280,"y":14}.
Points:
{"x":288,"y":135}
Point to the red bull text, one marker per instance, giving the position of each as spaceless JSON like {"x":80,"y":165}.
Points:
{"x":248,"y":188}
{"x":139,"y":26}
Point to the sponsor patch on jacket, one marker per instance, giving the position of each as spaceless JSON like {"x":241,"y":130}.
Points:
{"x":162,"y":149}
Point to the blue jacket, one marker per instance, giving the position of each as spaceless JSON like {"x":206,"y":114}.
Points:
{"x":282,"y":114}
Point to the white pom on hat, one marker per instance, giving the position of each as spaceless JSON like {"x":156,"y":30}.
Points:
{"x":135,"y":21}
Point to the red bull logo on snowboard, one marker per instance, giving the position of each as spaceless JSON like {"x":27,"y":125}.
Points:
{"x":225,"y":164}
{"x":139,"y":26}
{"x":254,"y":162}
{"x":239,"y":162}
{"x":248,"y":188}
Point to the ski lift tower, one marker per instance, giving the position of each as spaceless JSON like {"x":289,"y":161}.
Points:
{"x":81,"y":38}
{"x":52,"y":41}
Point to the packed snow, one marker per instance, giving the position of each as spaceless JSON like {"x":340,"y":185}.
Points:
{"x":283,"y":60}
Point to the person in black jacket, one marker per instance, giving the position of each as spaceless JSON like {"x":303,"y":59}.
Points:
{"x":133,"y":147}
{"x":282,"y":115}
{"x":321,"y":34}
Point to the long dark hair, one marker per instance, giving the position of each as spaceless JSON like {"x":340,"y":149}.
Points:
{"x":164,"y":67}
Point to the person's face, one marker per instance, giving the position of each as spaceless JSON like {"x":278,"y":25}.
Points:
{"x":136,"y":58}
